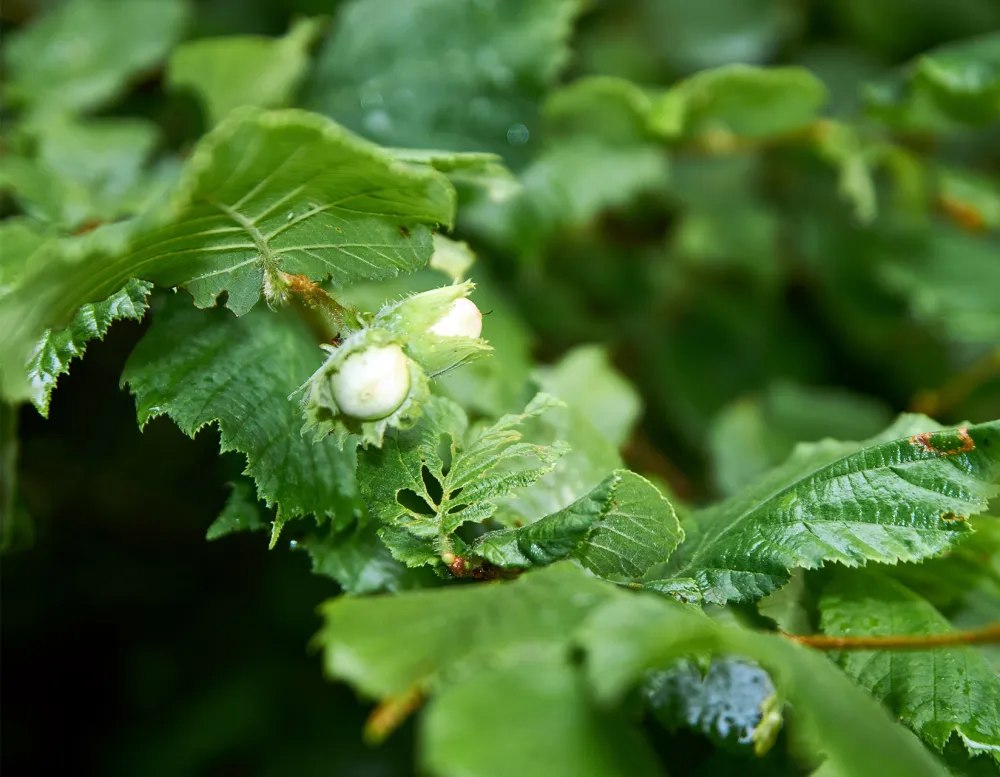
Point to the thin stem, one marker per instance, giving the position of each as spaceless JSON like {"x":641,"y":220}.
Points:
{"x":984,"y":636}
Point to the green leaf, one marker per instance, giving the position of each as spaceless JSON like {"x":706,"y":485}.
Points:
{"x":723,"y":703}
{"x":569,"y":184}
{"x":409,"y":485}
{"x":83,"y":172}
{"x":740,"y":100}
{"x":24,"y":243}
{"x":436,"y":74}
{"x":57,"y":348}
{"x":752,"y":435}
{"x":540,"y":721}
{"x":469,"y":169}
{"x":357,"y":560}
{"x":955,"y":83}
{"x":264,"y":193}
{"x":388,"y":645}
{"x":937,"y":692}
{"x":620,"y":529}
{"x":240,"y":513}
{"x":851,"y":503}
{"x":632,"y":634}
{"x":949,"y":284}
{"x":586,"y":380}
{"x":237,"y":70}
{"x":82,"y":54}
{"x":613,"y":109}
{"x":204,"y":367}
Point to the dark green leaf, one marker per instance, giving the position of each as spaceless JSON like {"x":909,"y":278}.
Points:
{"x":240,"y":513}
{"x":205,"y":367}
{"x":851,"y":503}
{"x":937,"y":692}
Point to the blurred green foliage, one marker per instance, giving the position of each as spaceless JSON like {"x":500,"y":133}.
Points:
{"x":770,"y":257}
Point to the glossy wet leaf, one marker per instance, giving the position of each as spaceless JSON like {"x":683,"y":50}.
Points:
{"x":240,"y":513}
{"x":937,"y":692}
{"x":887,"y":501}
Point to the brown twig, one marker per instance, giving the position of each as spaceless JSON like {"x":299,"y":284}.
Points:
{"x":984,"y":636}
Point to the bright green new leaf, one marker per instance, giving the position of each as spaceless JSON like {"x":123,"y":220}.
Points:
{"x":619,"y":530}
{"x":440,"y":74}
{"x":540,"y":722}
{"x":240,"y":513}
{"x":937,"y":692}
{"x":388,"y":645}
{"x":902,"y":500}
{"x":958,"y":82}
{"x":236,"y":70}
{"x":24,"y":242}
{"x":970,"y":195}
{"x":57,"y":348}
{"x":428,"y":481}
{"x":204,"y":367}
{"x":632,"y":634}
{"x":82,"y":54}
{"x":741,"y":101}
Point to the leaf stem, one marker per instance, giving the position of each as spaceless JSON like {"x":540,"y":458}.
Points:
{"x":984,"y":636}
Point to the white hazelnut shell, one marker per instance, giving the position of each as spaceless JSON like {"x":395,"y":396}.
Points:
{"x":463,"y":319}
{"x":372,"y":383}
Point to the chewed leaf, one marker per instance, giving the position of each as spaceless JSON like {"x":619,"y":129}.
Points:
{"x":901,"y":500}
{"x":428,"y":482}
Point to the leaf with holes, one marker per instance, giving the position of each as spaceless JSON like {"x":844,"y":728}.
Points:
{"x":618,"y":530}
{"x":885,"y":500}
{"x":938,"y":692}
{"x":427,"y":481}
